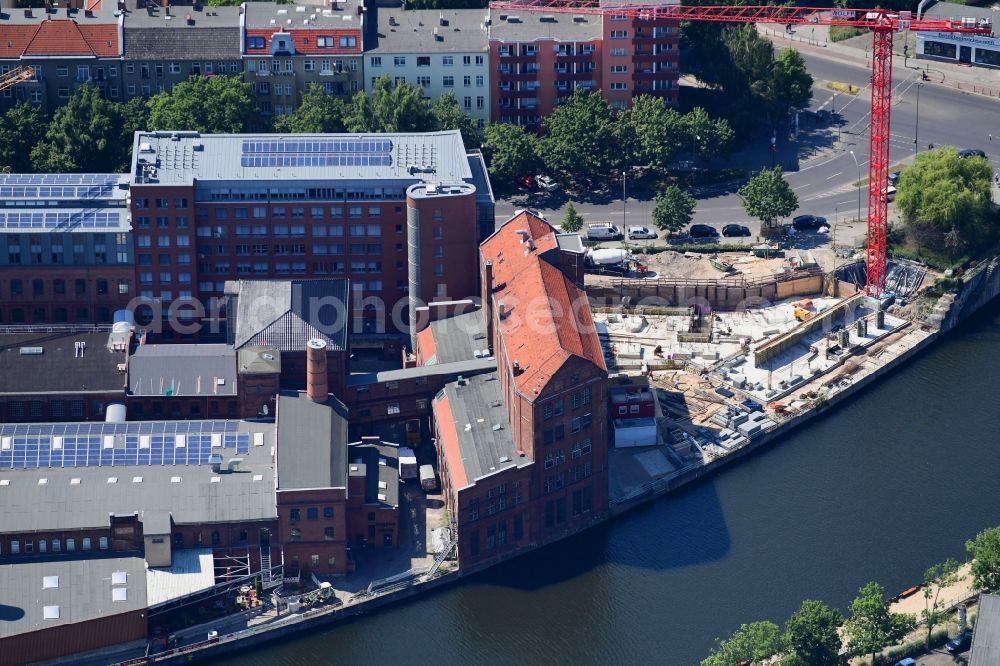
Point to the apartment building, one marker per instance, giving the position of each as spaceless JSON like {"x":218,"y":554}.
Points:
{"x":66,"y":47}
{"x":538,"y":60}
{"x":400,"y":215}
{"x":287,"y":48}
{"x":442,"y":51}
{"x":65,"y":248}
{"x":166,"y":45}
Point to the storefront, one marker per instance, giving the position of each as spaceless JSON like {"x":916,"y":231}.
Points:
{"x":971,"y":49}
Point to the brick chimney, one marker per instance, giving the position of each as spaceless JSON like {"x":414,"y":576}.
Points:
{"x":316,"y":380}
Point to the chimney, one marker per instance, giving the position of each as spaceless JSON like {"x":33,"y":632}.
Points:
{"x":316,"y":381}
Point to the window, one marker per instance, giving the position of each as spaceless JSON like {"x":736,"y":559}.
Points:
{"x":329,"y":534}
{"x":448,"y":81}
{"x":618,"y":51}
{"x":295,"y":534}
{"x":619,"y":85}
{"x":348,"y":42}
{"x":295,"y":515}
{"x":400,"y":61}
{"x":619,"y":69}
{"x":474,"y":543}
{"x":423,"y":61}
{"x":376,"y":61}
{"x":448,"y":61}
{"x":619,"y":34}
{"x":424,"y":81}
{"x":312,"y":513}
{"x":328,"y":512}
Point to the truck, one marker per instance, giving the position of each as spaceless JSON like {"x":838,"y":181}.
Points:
{"x":603,"y":231}
{"x":608,"y":260}
{"x":428,"y":481}
{"x":408,"y":464}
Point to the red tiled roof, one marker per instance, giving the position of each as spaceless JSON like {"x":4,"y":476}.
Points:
{"x":549,"y":320}
{"x":305,"y":40}
{"x":58,"y":37}
{"x":425,"y":344}
{"x":448,"y":442}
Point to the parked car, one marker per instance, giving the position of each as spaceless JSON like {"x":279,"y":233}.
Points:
{"x":526,"y":182}
{"x":908,"y":661}
{"x":702,"y":231}
{"x":808,"y":222}
{"x":889,"y":194}
{"x":735,"y":230}
{"x":546,"y":183}
{"x":959,"y":643}
{"x":640,"y":233}
{"x":894,"y":177}
{"x":972,"y":152}
{"x":603,"y":231}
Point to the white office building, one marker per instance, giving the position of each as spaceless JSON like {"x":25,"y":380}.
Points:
{"x":441,"y":51}
{"x":981,"y":50}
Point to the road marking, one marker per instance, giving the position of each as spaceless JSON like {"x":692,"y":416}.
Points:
{"x":841,"y":203}
{"x":834,"y":175}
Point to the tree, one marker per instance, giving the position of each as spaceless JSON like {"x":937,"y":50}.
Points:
{"x":767,"y":196}
{"x":792,"y":81}
{"x":23,"y":127}
{"x":134,"y":118}
{"x":83,"y":136}
{"x":392,"y":107}
{"x":872,"y":625}
{"x":580,"y":137}
{"x":673,"y":209}
{"x":511,"y":151}
{"x":985,"y":550}
{"x":813,"y":637}
{"x":935,"y":578}
{"x":651,"y":132}
{"x":206,"y":104}
{"x":319,"y":113}
{"x":711,"y":137}
{"x":571,"y":222}
{"x":448,"y":115}
{"x":752,"y":642}
{"x":947,"y":193}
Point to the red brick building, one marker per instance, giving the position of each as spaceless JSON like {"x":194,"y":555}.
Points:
{"x":537,"y":60}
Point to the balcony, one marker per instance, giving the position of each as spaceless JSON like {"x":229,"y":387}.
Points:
{"x":574,"y":76}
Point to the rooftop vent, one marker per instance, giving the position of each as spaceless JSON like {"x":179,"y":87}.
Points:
{"x":50,"y":582}
{"x":579,"y":19}
{"x":31,"y":351}
{"x":50,"y":613}
{"x":513,"y":19}
{"x":547,"y":18}
{"x":504,"y":459}
{"x":197,"y":145}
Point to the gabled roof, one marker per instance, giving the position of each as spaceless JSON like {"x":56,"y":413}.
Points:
{"x":288,"y":313}
{"x":548,"y":318}
{"x":304,"y":40}
{"x":59,"y":37}
{"x":312,"y":443}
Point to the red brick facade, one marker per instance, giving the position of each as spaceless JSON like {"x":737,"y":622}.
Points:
{"x":312,"y":527}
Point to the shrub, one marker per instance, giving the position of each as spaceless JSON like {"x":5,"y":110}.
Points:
{"x":839,"y":33}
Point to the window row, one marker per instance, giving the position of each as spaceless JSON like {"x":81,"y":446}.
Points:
{"x":63,"y":287}
{"x":18,"y":547}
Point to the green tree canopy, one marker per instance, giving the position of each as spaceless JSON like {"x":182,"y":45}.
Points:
{"x":580,"y":137}
{"x":207,"y":104}
{"x":936,"y":578}
{"x":985,"y":549}
{"x":511,"y":151}
{"x":673,"y":209}
{"x":711,"y":137}
{"x":792,"y":81}
{"x":812,"y":635}
{"x":872,"y":626}
{"x":944,"y":193}
{"x":448,"y":115}
{"x":23,"y":127}
{"x":319,"y":113}
{"x":571,"y":222}
{"x":768,"y":196}
{"x":391,"y":107}
{"x":652,"y":132}
{"x":752,"y":642}
{"x":135,"y":118}
{"x":83,"y":136}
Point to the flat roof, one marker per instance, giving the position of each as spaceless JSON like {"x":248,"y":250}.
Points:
{"x":286,"y":314}
{"x":420,"y":31}
{"x":238,"y":158}
{"x":986,"y":637}
{"x":191,"y":570}
{"x":312,"y":451}
{"x":340,"y":14}
{"x":459,"y":338}
{"x":525,"y":26}
{"x":379,"y":464}
{"x":42,"y":595}
{"x":58,"y":368}
{"x":475,"y":428}
{"x":65,"y":476}
{"x":182,"y":370}
{"x":940,"y":10}
{"x":203,"y":16}
{"x":470,"y":367}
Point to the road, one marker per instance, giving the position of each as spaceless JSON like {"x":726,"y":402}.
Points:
{"x":819,"y":165}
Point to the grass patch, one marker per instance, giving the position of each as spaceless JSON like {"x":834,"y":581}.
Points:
{"x":928,"y":257}
{"x":846,"y":88}
{"x":839,"y":33}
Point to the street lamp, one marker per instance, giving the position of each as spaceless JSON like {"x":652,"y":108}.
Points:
{"x":858,"y":164}
{"x":916,"y":126}
{"x":694,"y":151}
{"x":623,"y":203}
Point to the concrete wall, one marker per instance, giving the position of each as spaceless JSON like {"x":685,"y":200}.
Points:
{"x":720,"y":295}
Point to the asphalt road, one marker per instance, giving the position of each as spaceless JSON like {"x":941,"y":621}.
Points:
{"x":819,"y":164}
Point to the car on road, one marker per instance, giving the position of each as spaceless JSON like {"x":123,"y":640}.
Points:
{"x":889,"y":194}
{"x":808,"y":222}
{"x":971,"y":152}
{"x":959,"y":643}
{"x":600,"y":231}
{"x":894,"y":177}
{"x":640,"y":233}
{"x":546,"y":183}
{"x":526,"y":182}
{"x":703,"y":231}
{"x":908,"y":661}
{"x":735,"y":230}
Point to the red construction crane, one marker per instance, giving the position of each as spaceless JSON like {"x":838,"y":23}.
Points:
{"x":881,"y":22}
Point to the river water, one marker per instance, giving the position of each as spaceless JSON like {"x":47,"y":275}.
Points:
{"x":879,"y":488}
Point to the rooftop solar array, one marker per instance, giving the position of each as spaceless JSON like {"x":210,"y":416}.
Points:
{"x":56,"y":191}
{"x":59,"y":178}
{"x":55,"y":221}
{"x":29,"y":446}
{"x":344,"y":152}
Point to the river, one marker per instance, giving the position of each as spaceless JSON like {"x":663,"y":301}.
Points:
{"x":879,"y":488}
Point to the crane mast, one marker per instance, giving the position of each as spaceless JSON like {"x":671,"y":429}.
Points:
{"x":881,"y":22}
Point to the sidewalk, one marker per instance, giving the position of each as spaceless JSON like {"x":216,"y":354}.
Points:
{"x":857,"y":50}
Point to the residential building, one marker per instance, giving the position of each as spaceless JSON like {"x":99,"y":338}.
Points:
{"x":288,"y":48}
{"x":523,"y":451}
{"x":538,"y":60}
{"x":442,"y":51}
{"x":165,"y":45}
{"x":399,"y":215}
{"x":986,"y":634}
{"x":67,"y":47}
{"x":65,"y":248}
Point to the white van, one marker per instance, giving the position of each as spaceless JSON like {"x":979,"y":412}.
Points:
{"x":428,"y":480}
{"x":603,"y":231}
